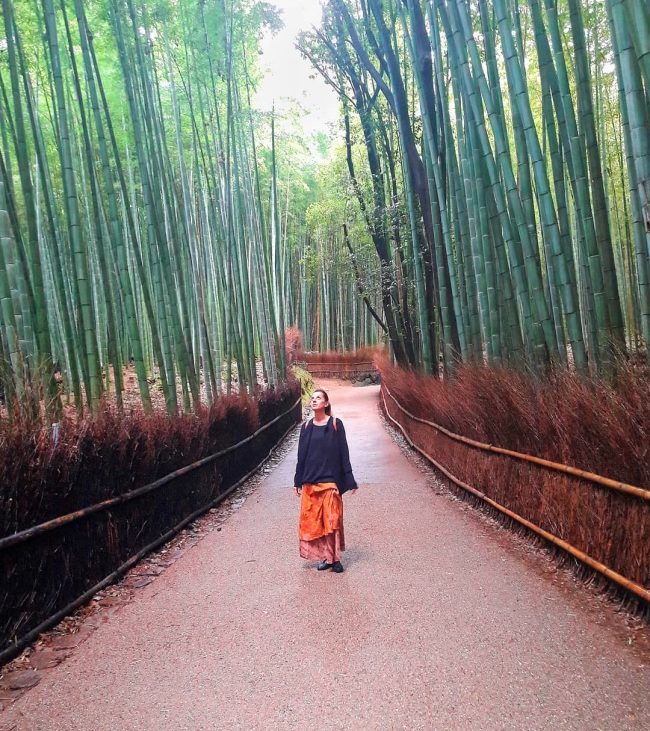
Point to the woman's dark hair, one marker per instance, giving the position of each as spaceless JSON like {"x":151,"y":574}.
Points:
{"x":328,"y":408}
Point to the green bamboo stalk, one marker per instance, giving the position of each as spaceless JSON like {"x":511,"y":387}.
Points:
{"x":546,"y":205}
{"x":636,"y":126}
{"x":80,"y":254}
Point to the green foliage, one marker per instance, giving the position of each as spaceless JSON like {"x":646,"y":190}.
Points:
{"x":135,"y":228}
{"x":503,"y":181}
{"x":306,"y":383}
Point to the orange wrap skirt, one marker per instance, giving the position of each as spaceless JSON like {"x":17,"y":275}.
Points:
{"x":320,"y":528}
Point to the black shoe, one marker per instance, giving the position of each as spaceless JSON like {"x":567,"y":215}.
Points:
{"x":337,"y":567}
{"x":323,"y":566}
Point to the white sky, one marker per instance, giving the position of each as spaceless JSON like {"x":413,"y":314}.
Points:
{"x":287,"y":73}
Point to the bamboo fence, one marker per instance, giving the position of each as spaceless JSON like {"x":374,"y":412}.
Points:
{"x":51,"y":569}
{"x":343,"y":370}
{"x":603,"y":523}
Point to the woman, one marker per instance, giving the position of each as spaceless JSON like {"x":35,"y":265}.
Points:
{"x":323,"y":474}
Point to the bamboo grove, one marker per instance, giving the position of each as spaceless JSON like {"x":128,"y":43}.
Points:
{"x":334,"y":282}
{"x":489,"y":200}
{"x":334,"y":310}
{"x":505,"y":181}
{"x":140,"y":222}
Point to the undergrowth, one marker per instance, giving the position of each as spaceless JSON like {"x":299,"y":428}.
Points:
{"x":306,"y":383}
{"x":593,"y":424}
{"x":46,"y":473}
{"x":598,"y":426}
{"x":362,"y":355}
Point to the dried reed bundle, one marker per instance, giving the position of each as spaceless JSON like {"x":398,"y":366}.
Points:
{"x":597,"y":426}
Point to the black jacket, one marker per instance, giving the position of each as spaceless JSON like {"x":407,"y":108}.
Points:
{"x":336,"y":446}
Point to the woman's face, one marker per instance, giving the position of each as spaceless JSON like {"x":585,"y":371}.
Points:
{"x":318,"y":401}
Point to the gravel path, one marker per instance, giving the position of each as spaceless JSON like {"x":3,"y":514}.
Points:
{"x":442,"y":620}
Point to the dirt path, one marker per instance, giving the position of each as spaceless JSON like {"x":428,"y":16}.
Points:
{"x":440,"y":621}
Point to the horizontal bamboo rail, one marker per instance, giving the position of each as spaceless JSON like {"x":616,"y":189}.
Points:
{"x":62,"y":520}
{"x":574,"y":471}
{"x":17,"y":647}
{"x":342,"y":364}
{"x":617,"y":578}
{"x":339,"y":369}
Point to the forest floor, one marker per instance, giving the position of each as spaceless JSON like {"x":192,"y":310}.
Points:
{"x":443,"y":619}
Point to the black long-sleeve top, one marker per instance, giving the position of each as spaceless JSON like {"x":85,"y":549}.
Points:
{"x":323,"y":456}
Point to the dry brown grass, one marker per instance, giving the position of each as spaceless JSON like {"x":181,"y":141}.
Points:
{"x":103,"y":457}
{"x":344,"y":365}
{"x":362,"y":355}
{"x":596,"y":426}
{"x":98,"y":457}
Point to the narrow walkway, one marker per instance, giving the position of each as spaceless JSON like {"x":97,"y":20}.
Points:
{"x":440,"y":621}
